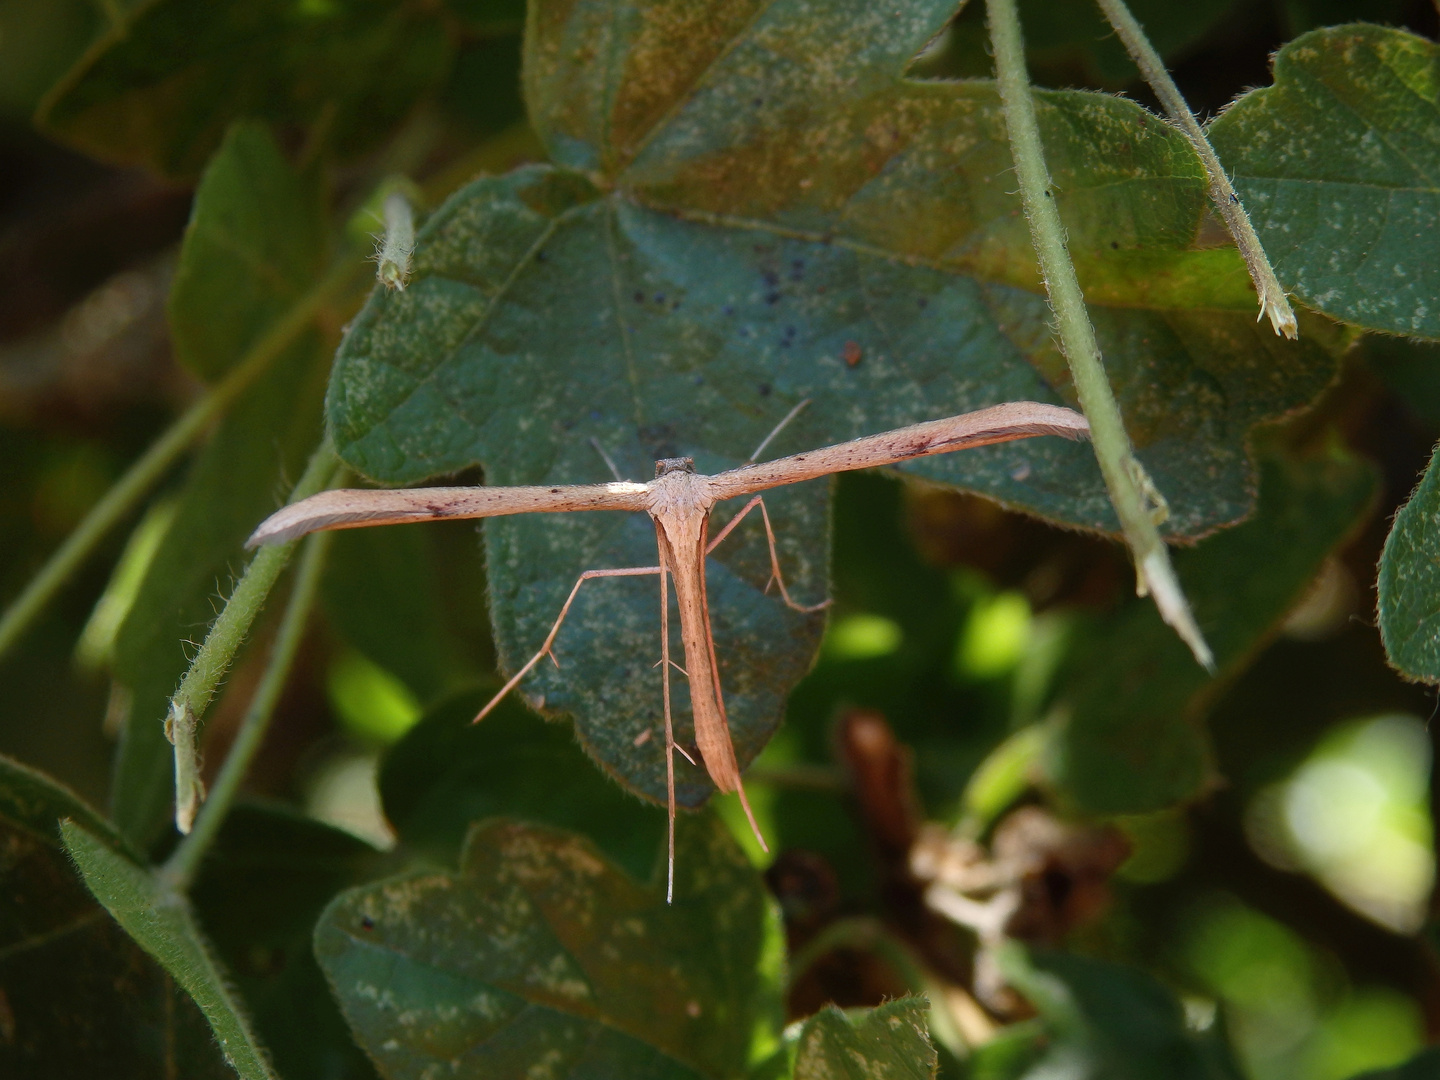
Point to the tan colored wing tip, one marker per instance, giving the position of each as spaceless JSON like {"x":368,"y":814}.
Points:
{"x":327,"y":510}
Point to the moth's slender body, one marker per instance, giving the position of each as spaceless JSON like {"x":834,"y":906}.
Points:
{"x":679,"y":501}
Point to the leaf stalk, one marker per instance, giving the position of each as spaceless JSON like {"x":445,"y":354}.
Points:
{"x":1137,"y":502}
{"x":180,"y":869}
{"x":197,"y":689}
{"x":1222,"y":193}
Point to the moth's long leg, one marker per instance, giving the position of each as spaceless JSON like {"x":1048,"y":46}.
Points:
{"x":629,"y":571}
{"x":774,"y":557}
{"x":669,"y":733}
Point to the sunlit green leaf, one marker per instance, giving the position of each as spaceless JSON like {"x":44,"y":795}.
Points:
{"x":254,"y":246}
{"x":1339,"y":168}
{"x":164,"y":926}
{"x":541,"y":955}
{"x":1409,"y":584}
{"x":161,"y":88}
{"x":79,"y":997}
{"x":1132,"y":699}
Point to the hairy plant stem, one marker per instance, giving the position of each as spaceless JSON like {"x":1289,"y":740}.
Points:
{"x":127,"y":492}
{"x":197,"y":689}
{"x":1137,"y":503}
{"x":1222,"y":193}
{"x":179,"y":870}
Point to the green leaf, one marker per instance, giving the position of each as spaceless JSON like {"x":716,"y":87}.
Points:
{"x":164,"y":926}
{"x":447,"y":773}
{"x":1133,"y":700}
{"x":1409,"y":582}
{"x":80,"y":998}
{"x":1423,"y":1066}
{"x":745,"y":199}
{"x":162,"y":87}
{"x":890,"y":1041}
{"x":259,"y":892}
{"x":541,"y":955}
{"x":263,"y":441}
{"x":1109,"y":1021}
{"x":1339,"y":168}
{"x":254,"y":246}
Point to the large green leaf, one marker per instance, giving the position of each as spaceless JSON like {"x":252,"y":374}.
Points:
{"x":706,"y":272}
{"x":1409,"y":583}
{"x":447,"y":773}
{"x":79,"y":997}
{"x":1108,"y":1022}
{"x":257,"y":228}
{"x":1132,"y":700}
{"x":161,"y":88}
{"x":164,"y":926}
{"x":254,"y":246}
{"x":1339,"y":167}
{"x":541,"y":958}
{"x":259,"y":892}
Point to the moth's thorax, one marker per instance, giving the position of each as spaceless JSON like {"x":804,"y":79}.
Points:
{"x":679,"y":490}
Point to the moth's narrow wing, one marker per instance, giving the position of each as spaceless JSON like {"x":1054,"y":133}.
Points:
{"x":355,"y":508}
{"x":999,"y":423}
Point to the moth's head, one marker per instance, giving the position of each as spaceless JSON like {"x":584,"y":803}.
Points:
{"x":666,"y":466}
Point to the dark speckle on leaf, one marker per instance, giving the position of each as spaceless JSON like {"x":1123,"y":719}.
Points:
{"x":728,"y":309}
{"x":1114,"y":245}
{"x":659,"y":298}
{"x":540,"y":256}
{"x":771,"y":278}
{"x":772,"y":298}
{"x":764,"y":389}
{"x":758,"y":102}
{"x":922,"y":303}
{"x":639,"y":297}
{"x":367,"y":923}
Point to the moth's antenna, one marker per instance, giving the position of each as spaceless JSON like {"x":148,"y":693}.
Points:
{"x":606,"y":458}
{"x":778,"y":428}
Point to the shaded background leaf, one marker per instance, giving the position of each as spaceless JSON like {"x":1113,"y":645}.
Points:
{"x":258,"y":896}
{"x":164,"y":926}
{"x":78,"y":996}
{"x":161,"y":89}
{"x":447,"y":773}
{"x":1131,"y":738}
